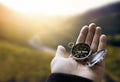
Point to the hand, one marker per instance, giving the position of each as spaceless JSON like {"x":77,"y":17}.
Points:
{"x":92,"y":36}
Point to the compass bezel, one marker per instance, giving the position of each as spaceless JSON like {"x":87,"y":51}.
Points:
{"x":77,"y":48}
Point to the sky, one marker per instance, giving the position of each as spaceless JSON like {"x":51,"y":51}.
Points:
{"x":54,"y":7}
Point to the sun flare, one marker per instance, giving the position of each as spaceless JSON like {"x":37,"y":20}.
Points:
{"x":53,"y":7}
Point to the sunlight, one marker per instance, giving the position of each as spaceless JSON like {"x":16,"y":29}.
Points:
{"x":54,"y":7}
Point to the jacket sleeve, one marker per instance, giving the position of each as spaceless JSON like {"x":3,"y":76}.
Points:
{"x":60,"y":77}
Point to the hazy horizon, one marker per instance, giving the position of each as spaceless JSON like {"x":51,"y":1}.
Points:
{"x":53,"y":7}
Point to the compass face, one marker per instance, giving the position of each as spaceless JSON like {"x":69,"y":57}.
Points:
{"x":81,"y":50}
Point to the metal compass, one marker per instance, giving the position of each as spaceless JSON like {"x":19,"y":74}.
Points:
{"x":82,"y":51}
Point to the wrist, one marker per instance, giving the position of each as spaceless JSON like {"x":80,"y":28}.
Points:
{"x":89,"y":74}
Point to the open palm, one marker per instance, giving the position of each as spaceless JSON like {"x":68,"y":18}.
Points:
{"x":92,"y":36}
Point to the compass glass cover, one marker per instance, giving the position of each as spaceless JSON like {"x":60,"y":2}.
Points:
{"x":81,"y":50}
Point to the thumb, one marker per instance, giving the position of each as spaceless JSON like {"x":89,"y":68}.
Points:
{"x":60,"y":51}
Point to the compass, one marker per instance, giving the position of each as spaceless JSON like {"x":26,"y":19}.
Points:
{"x":80,"y":51}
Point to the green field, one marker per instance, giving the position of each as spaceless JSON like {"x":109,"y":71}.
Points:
{"x":23,"y":64}
{"x":113,"y":63}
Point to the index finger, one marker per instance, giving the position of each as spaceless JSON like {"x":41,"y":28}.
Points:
{"x":82,"y":35}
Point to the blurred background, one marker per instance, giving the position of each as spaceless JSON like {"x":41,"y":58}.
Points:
{"x":30,"y":31}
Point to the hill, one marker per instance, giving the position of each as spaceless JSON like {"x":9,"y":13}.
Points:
{"x":59,"y":30}
{"x":107,"y":17}
{"x":19,"y":28}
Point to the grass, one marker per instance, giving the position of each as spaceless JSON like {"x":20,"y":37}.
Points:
{"x":112,"y":60}
{"x":23,"y":63}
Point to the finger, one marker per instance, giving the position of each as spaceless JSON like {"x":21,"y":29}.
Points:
{"x":95,"y":42}
{"x":103,"y":42}
{"x":82,"y":36}
{"x":60,"y":51}
{"x":90,"y":34}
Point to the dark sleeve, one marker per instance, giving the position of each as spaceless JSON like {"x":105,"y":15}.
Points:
{"x":59,"y":77}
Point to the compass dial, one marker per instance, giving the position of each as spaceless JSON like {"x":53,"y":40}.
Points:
{"x":81,"y":51}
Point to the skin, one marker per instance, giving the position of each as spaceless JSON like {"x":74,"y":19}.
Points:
{"x":92,"y":36}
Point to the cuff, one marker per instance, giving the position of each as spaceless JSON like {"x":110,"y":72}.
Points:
{"x":60,"y":77}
